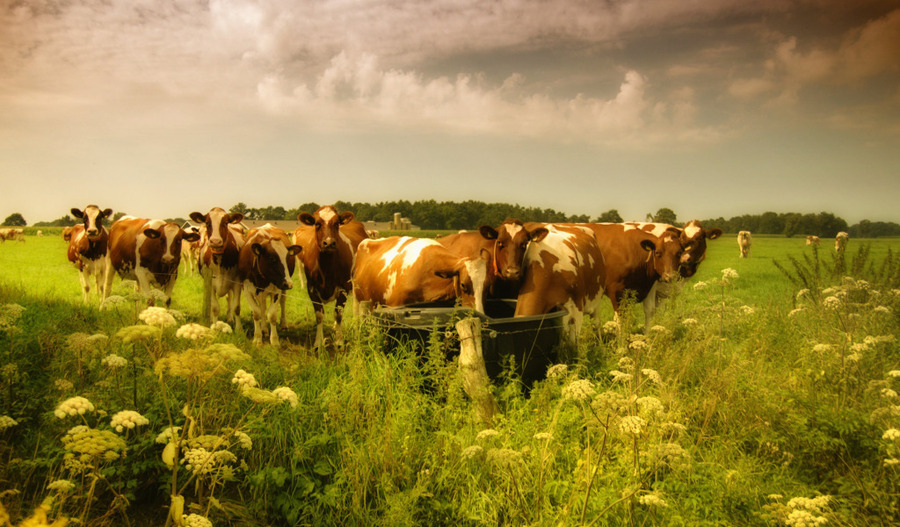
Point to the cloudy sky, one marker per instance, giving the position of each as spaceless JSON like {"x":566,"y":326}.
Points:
{"x":709,"y":107}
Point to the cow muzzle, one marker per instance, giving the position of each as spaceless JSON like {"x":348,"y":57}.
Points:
{"x":287,"y":284}
{"x":512,"y":273}
{"x":92,"y":234}
{"x":328,"y":244}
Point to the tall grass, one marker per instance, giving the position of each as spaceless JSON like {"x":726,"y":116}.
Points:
{"x":754,"y":398}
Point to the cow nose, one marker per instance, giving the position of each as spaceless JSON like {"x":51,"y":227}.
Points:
{"x":329,"y":243}
{"x":216,"y":244}
{"x":288,"y":284}
{"x":167,"y":258}
{"x":93,"y":232}
{"x":513,"y":273}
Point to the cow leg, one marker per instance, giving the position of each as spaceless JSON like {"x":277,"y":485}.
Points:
{"x":272,"y":316}
{"x":338,"y":321}
{"x":85,"y":285}
{"x":108,"y":276}
{"x":282,"y":301}
{"x":319,"y":308}
{"x":256,"y":311}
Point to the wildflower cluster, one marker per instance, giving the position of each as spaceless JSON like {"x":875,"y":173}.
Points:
{"x":138,"y":333}
{"x":157,"y":316}
{"x":221,"y":327}
{"x":114,"y":361}
{"x":799,"y":512}
{"x":7,"y":422}
{"x":91,"y":443}
{"x":193,"y":332}
{"x":9,"y":316}
{"x":286,"y":394}
{"x":199,"y":363}
{"x":127,"y":419}
{"x":579,"y":390}
{"x":61,"y":486}
{"x":195,"y":520}
{"x":652,"y":500}
{"x":242,"y":378}
{"x":73,"y":406}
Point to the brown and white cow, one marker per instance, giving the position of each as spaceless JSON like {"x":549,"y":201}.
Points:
{"x":88,"y":243}
{"x":190,"y":251}
{"x":744,"y":241}
{"x":265,"y":265}
{"x":813,"y":240}
{"x":403,"y":270}
{"x":840,"y":241}
{"x":148,"y":251}
{"x":220,"y":247}
{"x":329,"y":240}
{"x":693,"y":238}
{"x":506,"y":246}
{"x":564,"y":269}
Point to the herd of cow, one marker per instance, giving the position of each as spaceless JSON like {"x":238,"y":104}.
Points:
{"x":544,"y":266}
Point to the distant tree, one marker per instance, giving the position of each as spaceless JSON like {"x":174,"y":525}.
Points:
{"x":239,"y":207}
{"x":64,"y":221}
{"x":15,"y":220}
{"x":792,"y":224}
{"x":610,"y":216}
{"x":119,"y":215}
{"x":665,"y":215}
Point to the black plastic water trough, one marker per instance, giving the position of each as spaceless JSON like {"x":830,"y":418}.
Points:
{"x":532,"y":341}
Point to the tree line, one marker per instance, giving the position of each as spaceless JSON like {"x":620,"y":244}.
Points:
{"x":452,"y":215}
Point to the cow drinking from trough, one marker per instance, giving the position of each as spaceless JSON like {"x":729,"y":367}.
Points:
{"x":398,"y":270}
{"x":265,"y":265}
{"x":88,"y":243}
{"x":329,"y":240}
{"x":218,"y":261}
{"x":148,"y":251}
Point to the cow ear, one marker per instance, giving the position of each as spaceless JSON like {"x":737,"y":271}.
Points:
{"x":306,"y":219}
{"x":346,"y":217}
{"x":77,"y":213}
{"x":294,"y":250}
{"x":712,"y":234}
{"x":648,"y":245}
{"x":257,"y":249}
{"x":198,"y":218}
{"x":191,"y":236}
{"x":538,"y":234}
{"x":151,"y":233}
{"x":237,"y":217}
{"x":488,"y":232}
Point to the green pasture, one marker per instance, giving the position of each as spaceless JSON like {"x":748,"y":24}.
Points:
{"x":755,"y":397}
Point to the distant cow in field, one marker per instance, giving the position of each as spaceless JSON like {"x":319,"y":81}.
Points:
{"x":217,"y":259}
{"x":148,"y":251}
{"x":813,"y":240}
{"x":87,"y":248}
{"x":265,"y":265}
{"x":505,"y":246}
{"x":693,"y":237}
{"x":329,"y":240}
{"x":744,"y":241}
{"x":564,"y":269}
{"x":399,"y":270}
{"x":12,"y":234}
{"x":840,"y":241}
{"x":190,"y":251}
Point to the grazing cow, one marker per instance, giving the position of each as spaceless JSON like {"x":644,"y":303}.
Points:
{"x":506,"y":246}
{"x":329,"y":240}
{"x":744,"y":240}
{"x":88,"y":243}
{"x":265,"y":265}
{"x":693,"y":238}
{"x":39,"y":234}
{"x":402,"y":270}
{"x":218,"y":253}
{"x":147,"y":251}
{"x":840,"y":241}
{"x":12,"y":234}
{"x":813,"y":240}
{"x":565,"y":269}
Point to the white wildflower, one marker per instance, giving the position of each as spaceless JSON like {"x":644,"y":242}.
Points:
{"x":803,"y":518}
{"x":111,"y":302}
{"x":127,"y":419}
{"x":543,"y":436}
{"x":221,"y":327}
{"x":626,"y":363}
{"x":748,"y":310}
{"x":157,"y":316}
{"x":73,"y":406}
{"x":114,"y":361}
{"x":774,"y":496}
{"x":650,"y":405}
{"x":700,"y":286}
{"x":168,"y":435}
{"x":242,"y":378}
{"x":891,"y":462}
{"x":653,"y":375}
{"x":557,"y":370}
{"x":619,"y":376}
{"x":882,"y":309}
{"x":486,"y":434}
{"x":632,"y":425}
{"x":195,"y":520}
{"x":822,"y":348}
{"x":611,"y":327}
{"x":891,"y":434}
{"x":859,"y":347}
{"x":244,"y":440}
{"x":7,"y":422}
{"x":795,"y":312}
{"x":888,"y":393}
{"x":579,"y":390}
{"x":193,"y":332}
{"x":286,"y":394}
{"x":894,"y":373}
{"x":659,"y":329}
{"x":831,"y":302}
{"x":811,"y":504}
{"x":472,"y":451}
{"x":61,"y":486}
{"x":729,"y":274}
{"x":802,"y":293}
{"x":639,"y":345}
{"x":652,"y":500}
{"x":689,"y":322}
{"x":829,"y":291}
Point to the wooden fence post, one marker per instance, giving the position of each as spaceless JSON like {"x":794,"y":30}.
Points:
{"x":471,"y":364}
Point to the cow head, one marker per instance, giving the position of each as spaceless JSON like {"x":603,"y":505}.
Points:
{"x":511,"y":240}
{"x":327,"y":222}
{"x":170,"y":236}
{"x":468,"y":275}
{"x":693,"y":239}
{"x":92,"y":217}
{"x":666,"y":255}
{"x":275,"y":261}
{"x":217,"y":221}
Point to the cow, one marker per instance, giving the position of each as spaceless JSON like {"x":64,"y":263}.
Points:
{"x":402,"y":270}
{"x":813,"y":240}
{"x":12,"y":234}
{"x":220,"y":246}
{"x":87,"y":248}
{"x":744,"y":241}
{"x":563,"y":269}
{"x":840,"y":241}
{"x":68,"y":231}
{"x":329,"y":240}
{"x":190,"y":251}
{"x":693,"y":238}
{"x":148,"y":251}
{"x":265,"y":265}
{"x":506,"y":246}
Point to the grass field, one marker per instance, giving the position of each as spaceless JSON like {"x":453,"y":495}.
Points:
{"x":745,"y":403}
